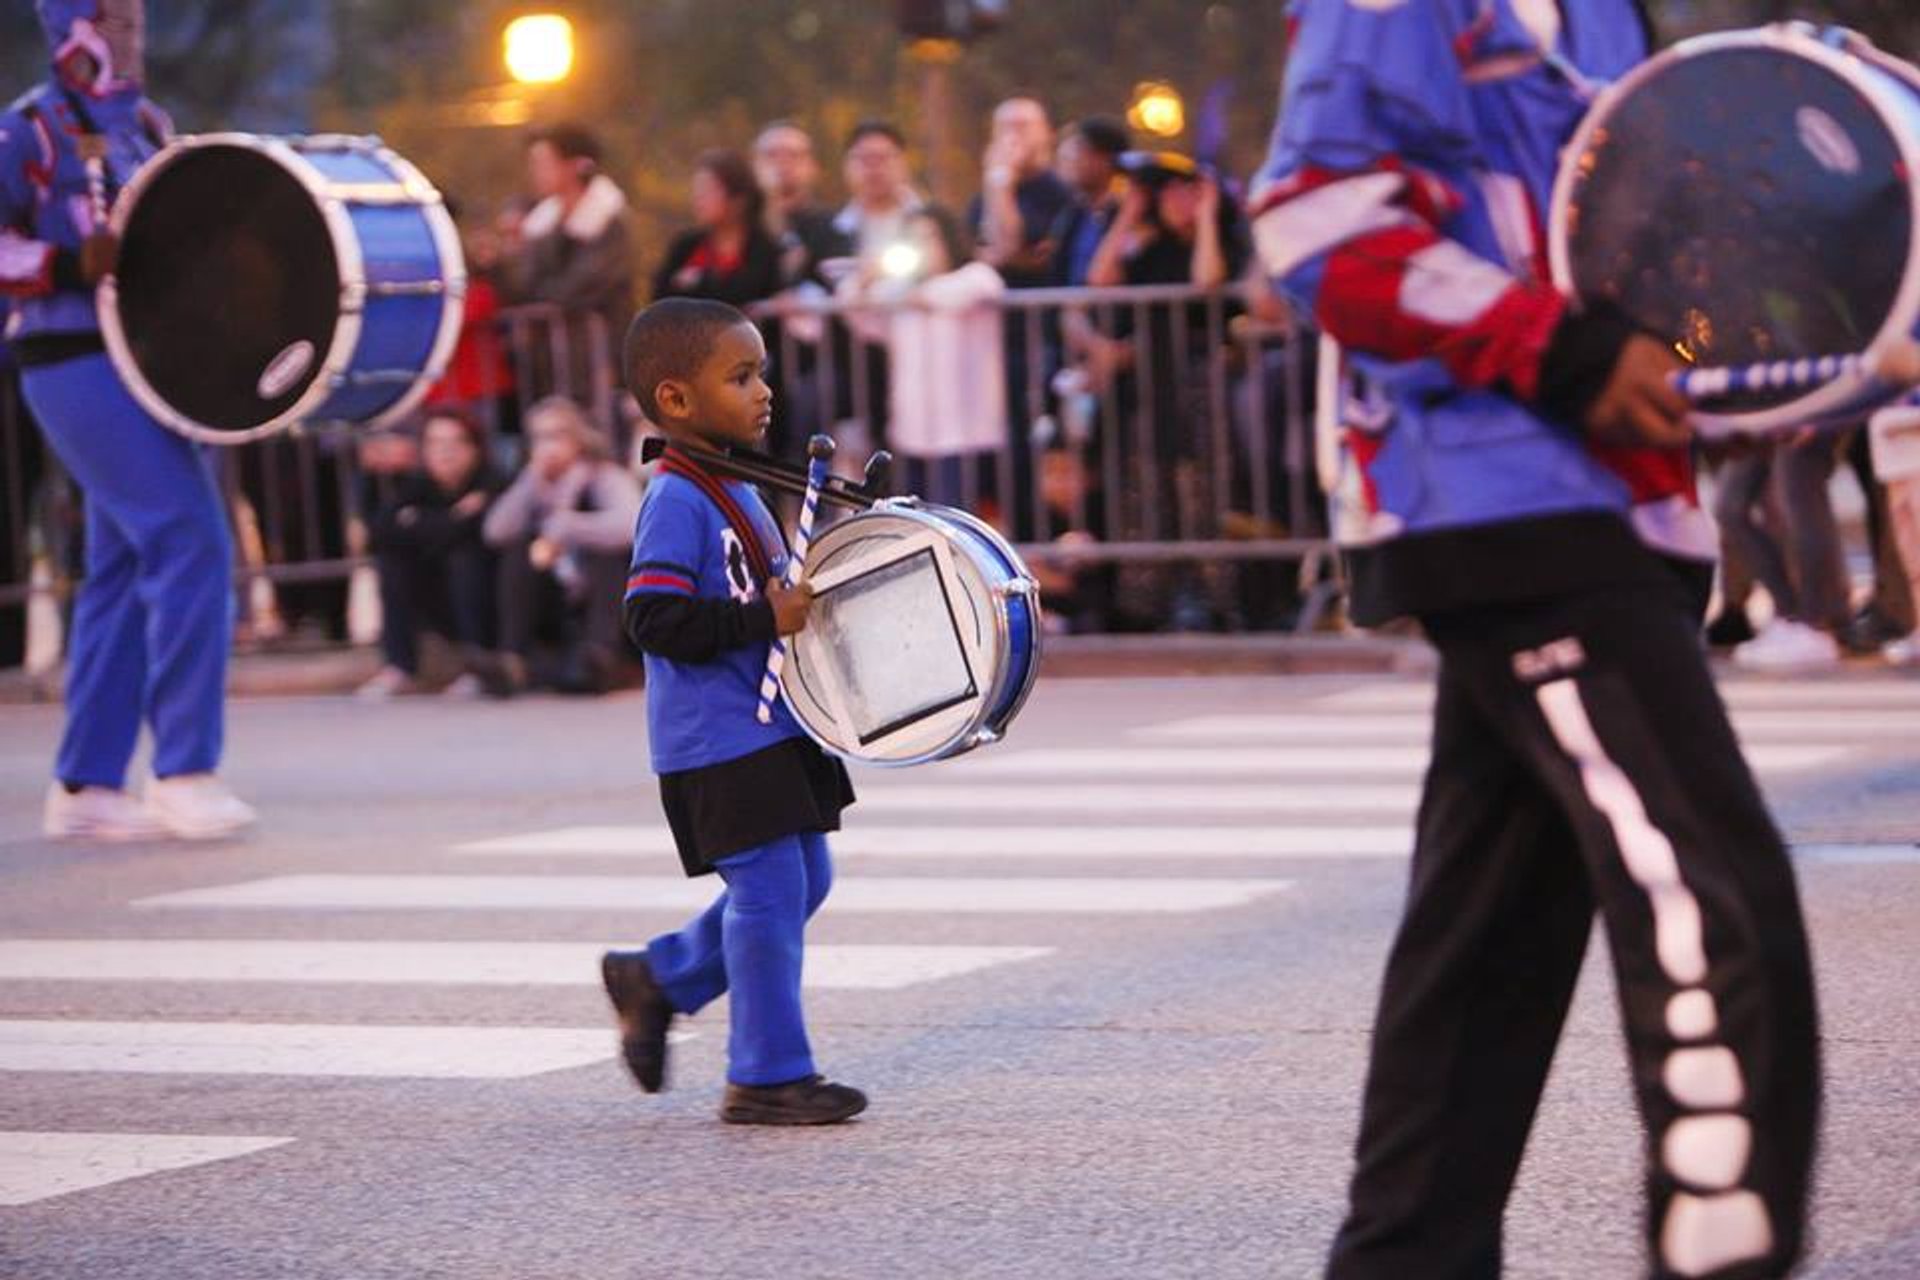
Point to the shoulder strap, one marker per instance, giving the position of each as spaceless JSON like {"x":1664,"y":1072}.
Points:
{"x":677,"y":463}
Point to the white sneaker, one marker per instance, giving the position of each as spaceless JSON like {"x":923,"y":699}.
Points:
{"x":1786,"y":645}
{"x":466,"y":685}
{"x":197,"y":806}
{"x":387,"y":682}
{"x":1904,"y":652}
{"x":97,"y":813}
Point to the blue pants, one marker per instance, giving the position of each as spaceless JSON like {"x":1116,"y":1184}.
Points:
{"x":749,"y":942}
{"x":154,"y":617}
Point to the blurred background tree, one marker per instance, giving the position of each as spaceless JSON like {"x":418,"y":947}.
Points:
{"x":663,"y":80}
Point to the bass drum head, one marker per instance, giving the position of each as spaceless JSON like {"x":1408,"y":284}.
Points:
{"x":1746,"y":197}
{"x":228,"y":288}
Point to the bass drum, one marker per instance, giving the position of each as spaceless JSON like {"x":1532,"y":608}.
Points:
{"x":924,"y":640}
{"x":265,"y":282}
{"x":1750,"y":195}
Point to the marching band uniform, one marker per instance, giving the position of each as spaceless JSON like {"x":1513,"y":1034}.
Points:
{"x":750,"y":801}
{"x":152,"y":622}
{"x":1581,"y":756}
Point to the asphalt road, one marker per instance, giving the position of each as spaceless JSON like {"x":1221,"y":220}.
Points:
{"x":1108,"y":984}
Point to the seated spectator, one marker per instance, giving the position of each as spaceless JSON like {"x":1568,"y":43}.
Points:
{"x":947,"y":397}
{"x":436,"y":571}
{"x":563,"y":530}
{"x":727,"y":254}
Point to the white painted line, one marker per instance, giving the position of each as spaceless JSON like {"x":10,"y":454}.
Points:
{"x":40,"y":1166}
{"x":1097,"y":803}
{"x":557,"y":964}
{"x":1330,"y":761}
{"x":1066,"y":840}
{"x":1813,"y":692}
{"x":1891,"y":854}
{"x":256,"y":1049}
{"x":1282,"y":728}
{"x":928,"y":895}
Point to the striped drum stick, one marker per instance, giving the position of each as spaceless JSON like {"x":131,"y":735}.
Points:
{"x":819,"y":460}
{"x":1899,"y":366}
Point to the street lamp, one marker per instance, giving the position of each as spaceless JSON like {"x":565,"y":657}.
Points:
{"x":1157,"y":109}
{"x":539,"y":48}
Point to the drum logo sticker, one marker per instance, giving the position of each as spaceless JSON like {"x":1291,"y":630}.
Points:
{"x":739,"y":577}
{"x":1826,"y":141}
{"x":285,"y":369}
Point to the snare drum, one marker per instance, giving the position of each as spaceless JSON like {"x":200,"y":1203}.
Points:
{"x":1750,"y":195}
{"x":265,"y":282}
{"x":924,"y":639}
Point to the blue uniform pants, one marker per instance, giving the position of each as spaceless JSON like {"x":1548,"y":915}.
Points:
{"x":749,"y":943}
{"x":153,"y":620}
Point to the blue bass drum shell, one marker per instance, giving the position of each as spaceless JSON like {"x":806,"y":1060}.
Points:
{"x":267,"y":282}
{"x":1750,"y":196}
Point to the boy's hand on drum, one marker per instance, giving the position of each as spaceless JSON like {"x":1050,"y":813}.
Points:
{"x":790,"y":605}
{"x":1639,"y":405}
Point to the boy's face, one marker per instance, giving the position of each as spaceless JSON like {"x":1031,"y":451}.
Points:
{"x":728,"y":400}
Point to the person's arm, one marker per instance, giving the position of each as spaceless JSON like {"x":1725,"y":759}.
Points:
{"x":615,"y":496}
{"x":1352,"y":231}
{"x":511,"y":518}
{"x":31,"y":267}
{"x":1109,"y":266}
{"x":1209,"y":255}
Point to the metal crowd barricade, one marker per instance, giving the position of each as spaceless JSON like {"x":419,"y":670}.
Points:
{"x":1194,"y":446}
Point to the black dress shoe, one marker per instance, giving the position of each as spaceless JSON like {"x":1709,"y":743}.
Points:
{"x":1730,"y":630}
{"x":810,"y":1100}
{"x":645,"y":1015}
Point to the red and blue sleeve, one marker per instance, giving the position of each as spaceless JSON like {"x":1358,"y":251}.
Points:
{"x":27,"y":264}
{"x":666,"y":546}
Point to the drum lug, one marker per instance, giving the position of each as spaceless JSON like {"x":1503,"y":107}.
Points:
{"x":1019,"y":588}
{"x":983,"y":738}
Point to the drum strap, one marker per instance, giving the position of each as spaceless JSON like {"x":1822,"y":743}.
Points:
{"x":679,"y":464}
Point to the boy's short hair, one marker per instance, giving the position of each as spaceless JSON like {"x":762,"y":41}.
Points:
{"x":672,"y":339}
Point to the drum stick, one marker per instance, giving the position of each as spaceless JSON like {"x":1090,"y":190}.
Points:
{"x":1898,"y":366}
{"x":819,"y":462}
{"x":93,"y":150}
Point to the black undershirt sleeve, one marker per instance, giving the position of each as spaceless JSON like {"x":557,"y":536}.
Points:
{"x":683,"y":629}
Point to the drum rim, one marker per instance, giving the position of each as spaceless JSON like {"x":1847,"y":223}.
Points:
{"x":1800,"y":38}
{"x":287,"y":153}
{"x":969,"y":736}
{"x":1031,"y":598}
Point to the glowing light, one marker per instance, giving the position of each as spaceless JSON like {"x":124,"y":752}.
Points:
{"x":539,"y":48}
{"x":900,"y":261}
{"x":1158,"y":109}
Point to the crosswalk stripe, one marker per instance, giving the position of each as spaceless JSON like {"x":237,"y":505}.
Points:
{"x":1333,"y":761}
{"x":641,"y":893}
{"x":864,"y":968}
{"x":1283,"y":727}
{"x":40,"y":1166}
{"x":1823,"y":695}
{"x":1096,"y":801}
{"x":1066,"y":840}
{"x":239,"y":1048}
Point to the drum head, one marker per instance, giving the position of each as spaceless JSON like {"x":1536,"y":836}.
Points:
{"x":1744,"y":199}
{"x":228,"y":287}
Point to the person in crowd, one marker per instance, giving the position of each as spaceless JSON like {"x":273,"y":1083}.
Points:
{"x":1895,"y":443}
{"x":436,"y":571}
{"x":727,"y":254}
{"x":1088,"y":161}
{"x":1529,"y":499}
{"x":789,"y":175}
{"x":1021,"y":197}
{"x":562,"y":530}
{"x":575,"y":250}
{"x":1078,"y":594}
{"x":1888,"y":613}
{"x":479,"y":378}
{"x":152,"y":627}
{"x":881,"y":196}
{"x":1804,"y":570}
{"x":751,"y":801}
{"x":947,"y":396}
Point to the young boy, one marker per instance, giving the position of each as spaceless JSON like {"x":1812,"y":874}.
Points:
{"x":749,"y":801}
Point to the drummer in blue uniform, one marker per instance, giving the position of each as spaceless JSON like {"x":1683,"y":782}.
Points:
{"x":1529,"y":499}
{"x":750,"y":801}
{"x":152,"y":622}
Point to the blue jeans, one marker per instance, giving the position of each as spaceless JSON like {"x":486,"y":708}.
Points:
{"x":749,"y":943}
{"x":154,"y":618}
